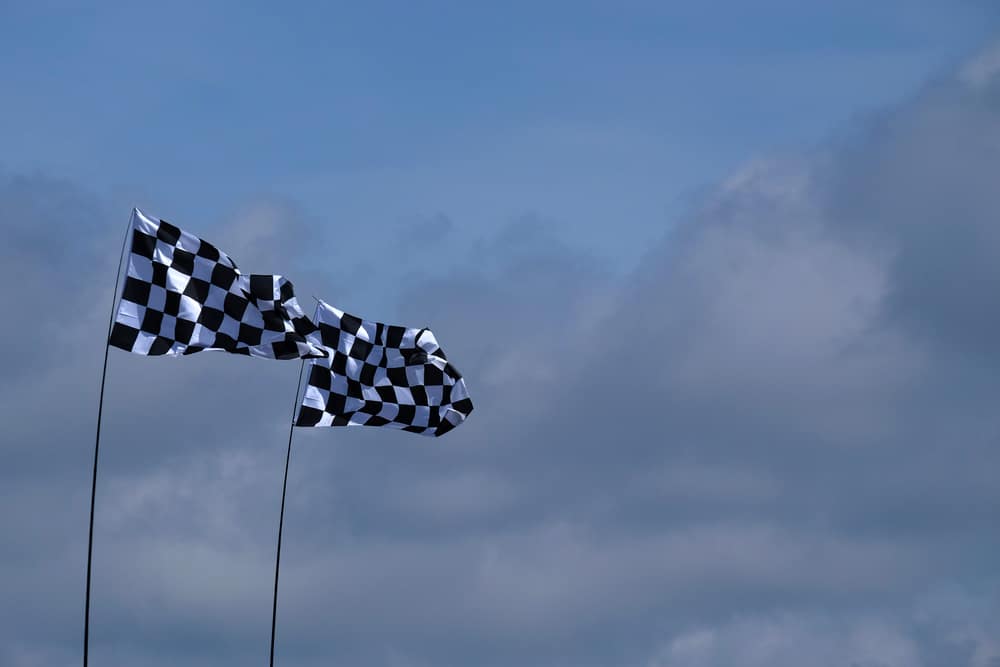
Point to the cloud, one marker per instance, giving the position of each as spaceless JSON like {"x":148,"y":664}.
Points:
{"x":790,"y":641}
{"x":940,"y":629}
{"x":773,"y":442}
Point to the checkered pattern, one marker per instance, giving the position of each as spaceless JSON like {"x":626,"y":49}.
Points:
{"x":183,"y":295}
{"x":381,"y":375}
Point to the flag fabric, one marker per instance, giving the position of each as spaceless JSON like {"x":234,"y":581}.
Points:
{"x":183,"y":295}
{"x":381,"y":375}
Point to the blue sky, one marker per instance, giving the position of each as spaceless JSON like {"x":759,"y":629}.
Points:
{"x":721,"y":278}
{"x":385,"y":115}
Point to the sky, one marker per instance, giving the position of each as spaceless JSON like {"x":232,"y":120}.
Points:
{"x":721,"y":279}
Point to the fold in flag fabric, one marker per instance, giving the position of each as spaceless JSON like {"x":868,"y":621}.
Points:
{"x":183,"y":295}
{"x":381,"y":375}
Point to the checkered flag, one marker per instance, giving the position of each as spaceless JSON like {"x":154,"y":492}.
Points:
{"x":183,"y":295}
{"x":381,"y":375}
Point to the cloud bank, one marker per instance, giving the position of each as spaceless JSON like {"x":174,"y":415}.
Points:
{"x":772,"y":443}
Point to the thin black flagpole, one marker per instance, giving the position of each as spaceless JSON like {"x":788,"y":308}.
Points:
{"x":97,"y":447}
{"x":281,"y":515}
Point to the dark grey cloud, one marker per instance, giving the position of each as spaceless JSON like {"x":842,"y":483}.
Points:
{"x":773,"y":443}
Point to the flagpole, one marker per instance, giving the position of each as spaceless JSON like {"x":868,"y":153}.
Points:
{"x":97,"y":446}
{"x":281,"y":515}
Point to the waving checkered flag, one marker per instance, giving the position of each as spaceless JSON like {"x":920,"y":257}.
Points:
{"x":183,"y":295}
{"x":381,"y":375}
